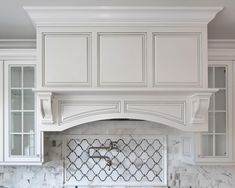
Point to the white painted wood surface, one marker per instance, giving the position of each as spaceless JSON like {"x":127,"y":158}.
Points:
{"x":149,"y":48}
{"x":122,"y":57}
{"x":67,"y":59}
{"x":1,"y":113}
{"x":121,"y":15}
{"x":121,"y":46}
{"x":178,"y":59}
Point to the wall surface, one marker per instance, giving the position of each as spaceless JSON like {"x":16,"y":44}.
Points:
{"x":50,"y":175}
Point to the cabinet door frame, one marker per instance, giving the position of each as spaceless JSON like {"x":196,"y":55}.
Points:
{"x":229,"y":113}
{"x":1,"y":113}
{"x":8,"y":157}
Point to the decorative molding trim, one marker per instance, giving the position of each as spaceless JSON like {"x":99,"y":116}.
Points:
{"x":199,"y":108}
{"x":117,"y":15}
{"x":143,"y":36}
{"x":221,"y":44}
{"x":221,"y":54}
{"x":127,"y":91}
{"x":146,"y":107}
{"x":45,"y":104}
{"x":187,"y":113}
{"x":17,"y":43}
{"x":84,"y":109}
{"x":17,"y":54}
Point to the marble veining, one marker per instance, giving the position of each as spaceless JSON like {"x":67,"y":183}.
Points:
{"x":182,"y":175}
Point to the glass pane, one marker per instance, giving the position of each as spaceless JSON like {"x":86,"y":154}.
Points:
{"x":16,"y":145}
{"x":207,"y":145}
{"x":220,"y":77}
{"x":16,"y":76}
{"x":210,"y":122}
{"x":29,"y":122}
{"x":211,"y":106}
{"x":220,"y":145}
{"x":28,"y":77}
{"x":29,"y":145}
{"x":16,"y":122}
{"x":220,"y":100}
{"x":210,"y":77}
{"x":220,"y":122}
{"x":16,"y":99}
{"x":28,"y":99}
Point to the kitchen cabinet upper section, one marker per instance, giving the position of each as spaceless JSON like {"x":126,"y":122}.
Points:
{"x":120,"y":47}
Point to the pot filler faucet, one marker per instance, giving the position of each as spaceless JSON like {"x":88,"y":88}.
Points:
{"x":95,"y":152}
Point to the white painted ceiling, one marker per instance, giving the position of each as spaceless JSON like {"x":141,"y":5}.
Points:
{"x":15,"y":23}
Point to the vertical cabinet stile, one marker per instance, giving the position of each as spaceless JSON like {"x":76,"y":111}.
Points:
{"x":1,"y":113}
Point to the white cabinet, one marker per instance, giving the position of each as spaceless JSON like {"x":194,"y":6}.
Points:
{"x":22,"y":142}
{"x":96,"y":47}
{"x":84,"y":57}
{"x":215,"y":145}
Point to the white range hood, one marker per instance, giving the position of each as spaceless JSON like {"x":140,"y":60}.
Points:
{"x":146,"y":63}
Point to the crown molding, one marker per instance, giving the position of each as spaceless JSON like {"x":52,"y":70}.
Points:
{"x":221,"y":44}
{"x":17,"y":43}
{"x":17,"y":54}
{"x":221,"y":54}
{"x":113,"y":15}
{"x":221,"y":49}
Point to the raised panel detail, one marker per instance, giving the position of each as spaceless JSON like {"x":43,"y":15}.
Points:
{"x":171,"y":110}
{"x":121,"y":59}
{"x":177,"y":59}
{"x":66,"y":59}
{"x":72,"y":110}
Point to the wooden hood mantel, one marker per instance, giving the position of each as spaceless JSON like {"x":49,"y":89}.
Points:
{"x":146,"y":63}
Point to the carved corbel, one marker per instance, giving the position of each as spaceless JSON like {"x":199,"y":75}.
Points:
{"x":45,"y":104}
{"x":199,"y":108}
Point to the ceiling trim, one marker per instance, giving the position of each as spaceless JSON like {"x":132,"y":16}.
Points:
{"x":17,"y":43}
{"x":221,"y":44}
{"x":17,"y":54}
{"x":221,"y":54}
{"x":122,"y":15}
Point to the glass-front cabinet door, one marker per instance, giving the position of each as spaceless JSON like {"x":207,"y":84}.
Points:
{"x":216,"y":143}
{"x":21,"y":135}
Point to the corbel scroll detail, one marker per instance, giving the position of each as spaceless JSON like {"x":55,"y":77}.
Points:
{"x":199,"y":108}
{"x":45,"y":104}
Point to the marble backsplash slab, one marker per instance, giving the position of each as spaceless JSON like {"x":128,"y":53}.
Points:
{"x":182,"y":175}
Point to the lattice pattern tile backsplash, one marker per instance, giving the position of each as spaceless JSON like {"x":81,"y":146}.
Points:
{"x":125,"y":160}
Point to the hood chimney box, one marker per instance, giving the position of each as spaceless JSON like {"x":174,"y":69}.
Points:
{"x":147,"y":63}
